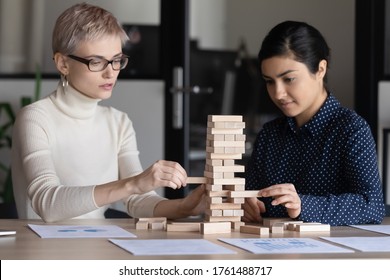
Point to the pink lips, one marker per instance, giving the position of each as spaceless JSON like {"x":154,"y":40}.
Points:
{"x":285,"y":104}
{"x":106,"y":86}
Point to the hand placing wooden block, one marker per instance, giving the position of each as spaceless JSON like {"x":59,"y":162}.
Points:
{"x":196,"y":180}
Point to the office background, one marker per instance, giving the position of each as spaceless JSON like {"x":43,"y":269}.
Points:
{"x":218,"y":26}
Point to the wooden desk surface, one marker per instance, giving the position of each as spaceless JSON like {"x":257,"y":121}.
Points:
{"x":27,"y":245}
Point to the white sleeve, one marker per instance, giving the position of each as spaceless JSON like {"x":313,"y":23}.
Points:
{"x":141,"y":205}
{"x":34,"y":173}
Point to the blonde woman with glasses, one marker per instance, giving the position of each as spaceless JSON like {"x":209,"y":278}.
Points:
{"x":72,"y":157}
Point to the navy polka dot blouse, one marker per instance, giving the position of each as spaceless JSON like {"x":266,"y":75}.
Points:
{"x":331,"y":161}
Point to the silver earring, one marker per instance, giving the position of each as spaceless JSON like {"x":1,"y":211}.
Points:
{"x":64,"y":81}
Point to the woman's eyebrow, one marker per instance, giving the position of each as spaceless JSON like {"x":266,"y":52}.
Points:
{"x":281,"y":74}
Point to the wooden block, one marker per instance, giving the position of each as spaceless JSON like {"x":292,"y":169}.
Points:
{"x":228,"y":162}
{"x":225,"y":206}
{"x":228,"y":175}
{"x":196,"y":180}
{"x":214,"y":188}
{"x":239,"y":150}
{"x":216,"y":124}
{"x":214,"y":162}
{"x":230,"y":137}
{"x":239,"y":212}
{"x":226,"y":124}
{"x":214,"y":228}
{"x":231,"y":168}
{"x":214,"y":212}
{"x":222,"y":193}
{"x":277,"y":227}
{"x":258,"y":230}
{"x":228,"y":212}
{"x":234,"y":181}
{"x":152,"y":219}
{"x":224,"y":118}
{"x":214,"y":199}
{"x":239,"y":144}
{"x":158,"y":225}
{"x":186,"y":227}
{"x":223,"y":156}
{"x":214,"y":175}
{"x":234,"y":124}
{"x":217,"y":150}
{"x":292,"y":224}
{"x":310,"y":227}
{"x":244,"y":194}
{"x":268,"y":222}
{"x":216,"y":137}
{"x":233,"y":150}
{"x":142,"y":225}
{"x":237,"y":225}
{"x":214,"y":219}
{"x":240,"y":137}
{"x":224,"y":131}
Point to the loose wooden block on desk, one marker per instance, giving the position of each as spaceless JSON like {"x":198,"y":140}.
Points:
{"x":277,"y":227}
{"x":268,"y":222}
{"x":196,"y":180}
{"x":312,"y":227}
{"x":158,"y":225}
{"x":292,"y":224}
{"x":151,"y":219}
{"x":217,"y":227}
{"x":184,"y":227}
{"x":258,"y":230}
{"x":142,"y":225}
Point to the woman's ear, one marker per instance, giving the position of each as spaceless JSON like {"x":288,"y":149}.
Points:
{"x":322,"y":68}
{"x":61,"y":63}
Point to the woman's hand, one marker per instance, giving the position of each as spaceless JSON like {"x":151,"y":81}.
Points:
{"x":191,"y":205}
{"x":252,"y":210}
{"x":161,"y":174}
{"x":194,"y":203}
{"x":286,"y":195}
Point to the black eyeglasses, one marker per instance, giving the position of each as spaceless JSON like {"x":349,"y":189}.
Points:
{"x":97,"y":64}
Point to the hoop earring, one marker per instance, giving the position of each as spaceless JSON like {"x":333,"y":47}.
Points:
{"x":64,"y":81}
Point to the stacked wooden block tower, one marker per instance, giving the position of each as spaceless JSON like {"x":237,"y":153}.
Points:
{"x":225,"y":143}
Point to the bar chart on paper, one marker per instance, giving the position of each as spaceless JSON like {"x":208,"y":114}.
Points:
{"x":284,"y":245}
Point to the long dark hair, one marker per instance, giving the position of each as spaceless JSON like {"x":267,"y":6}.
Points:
{"x":297,"y":39}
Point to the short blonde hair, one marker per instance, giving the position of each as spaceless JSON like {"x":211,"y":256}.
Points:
{"x":84,"y":22}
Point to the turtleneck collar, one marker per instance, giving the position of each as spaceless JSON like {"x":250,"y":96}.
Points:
{"x":73,"y":103}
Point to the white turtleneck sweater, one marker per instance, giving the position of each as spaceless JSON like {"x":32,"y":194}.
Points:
{"x":63,"y":146}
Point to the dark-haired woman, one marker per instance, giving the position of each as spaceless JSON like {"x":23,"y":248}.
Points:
{"x":318,"y":162}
